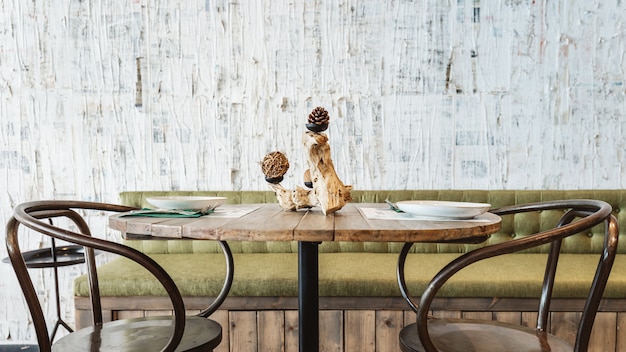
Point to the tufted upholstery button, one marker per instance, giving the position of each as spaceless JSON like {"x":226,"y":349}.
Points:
{"x":590,"y":235}
{"x":512,"y":235}
{"x":616,"y":210}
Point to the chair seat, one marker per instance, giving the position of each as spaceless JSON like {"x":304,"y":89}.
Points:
{"x":463,"y":335}
{"x":142,"y":334}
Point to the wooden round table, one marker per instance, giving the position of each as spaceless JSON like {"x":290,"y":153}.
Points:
{"x":269,"y":222}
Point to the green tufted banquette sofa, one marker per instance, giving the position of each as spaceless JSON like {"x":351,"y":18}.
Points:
{"x":360,"y":299}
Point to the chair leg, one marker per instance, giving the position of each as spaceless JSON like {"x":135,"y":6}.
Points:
{"x":60,"y":321}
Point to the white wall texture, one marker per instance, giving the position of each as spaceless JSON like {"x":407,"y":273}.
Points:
{"x":98,"y":97}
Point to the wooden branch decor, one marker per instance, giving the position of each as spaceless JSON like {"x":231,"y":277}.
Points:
{"x":325,"y":189}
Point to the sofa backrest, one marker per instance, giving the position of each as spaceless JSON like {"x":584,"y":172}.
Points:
{"x":512,"y":226}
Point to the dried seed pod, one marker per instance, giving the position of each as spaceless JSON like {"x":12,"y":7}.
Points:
{"x":274,"y":166}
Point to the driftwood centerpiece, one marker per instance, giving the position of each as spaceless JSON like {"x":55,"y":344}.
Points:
{"x":330,"y":192}
{"x":327,"y":191}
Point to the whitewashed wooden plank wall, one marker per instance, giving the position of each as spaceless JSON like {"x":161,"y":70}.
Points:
{"x":98,"y":97}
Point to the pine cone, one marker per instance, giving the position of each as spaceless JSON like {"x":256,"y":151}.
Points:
{"x":319,"y":116}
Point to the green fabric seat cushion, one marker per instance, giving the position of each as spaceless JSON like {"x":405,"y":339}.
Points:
{"x":354,"y":274}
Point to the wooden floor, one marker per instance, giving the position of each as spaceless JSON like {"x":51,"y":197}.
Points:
{"x":249,"y":326}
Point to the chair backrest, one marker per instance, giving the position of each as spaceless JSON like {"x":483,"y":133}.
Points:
{"x":579,"y":216}
{"x":31,"y":215}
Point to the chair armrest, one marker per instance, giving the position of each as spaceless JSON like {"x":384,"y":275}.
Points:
{"x":589,"y":212}
{"x":30,"y":215}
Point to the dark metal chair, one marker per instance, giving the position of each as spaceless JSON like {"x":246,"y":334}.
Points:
{"x":54,"y":258}
{"x":159,"y":333}
{"x":437,"y":334}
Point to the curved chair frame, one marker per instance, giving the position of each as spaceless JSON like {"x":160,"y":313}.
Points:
{"x":29,"y":215}
{"x":590,"y":212}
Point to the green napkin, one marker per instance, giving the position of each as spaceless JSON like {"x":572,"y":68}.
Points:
{"x":167,"y":213}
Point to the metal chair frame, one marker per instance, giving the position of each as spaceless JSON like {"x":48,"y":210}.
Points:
{"x":30,"y":215}
{"x":589,"y":214}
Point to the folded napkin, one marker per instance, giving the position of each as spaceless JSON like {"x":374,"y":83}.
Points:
{"x":169,"y":213}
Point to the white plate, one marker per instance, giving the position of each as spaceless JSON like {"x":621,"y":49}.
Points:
{"x":443,"y":209}
{"x":186,"y":202}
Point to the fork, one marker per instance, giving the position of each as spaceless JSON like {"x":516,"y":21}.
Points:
{"x":393,"y":206}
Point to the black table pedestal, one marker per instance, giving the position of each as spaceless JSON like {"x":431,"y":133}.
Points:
{"x":308,"y":297}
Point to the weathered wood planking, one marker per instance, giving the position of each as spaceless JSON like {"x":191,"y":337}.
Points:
{"x":270,"y":222}
{"x":604,"y":333}
{"x":332,"y":332}
{"x":360,"y":330}
{"x":377,"y":330}
{"x":291,"y":330}
{"x":388,"y":326}
{"x":222,"y":317}
{"x":244,"y":331}
{"x":273,"y":324}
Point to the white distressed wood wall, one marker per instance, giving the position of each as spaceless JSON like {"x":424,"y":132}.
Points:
{"x":98,"y":97}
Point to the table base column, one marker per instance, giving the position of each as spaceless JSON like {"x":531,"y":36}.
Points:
{"x":308,"y":297}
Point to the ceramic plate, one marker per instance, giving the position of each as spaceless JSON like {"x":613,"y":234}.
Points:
{"x":443,"y":209}
{"x":186,"y":203}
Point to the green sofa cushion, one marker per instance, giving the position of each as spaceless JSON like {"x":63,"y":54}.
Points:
{"x":355,"y":274}
{"x":368,"y":268}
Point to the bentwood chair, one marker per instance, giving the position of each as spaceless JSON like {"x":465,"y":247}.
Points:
{"x":438,"y":334}
{"x":156,"y":333}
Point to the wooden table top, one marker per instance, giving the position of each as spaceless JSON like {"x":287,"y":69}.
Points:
{"x":269,"y":222}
